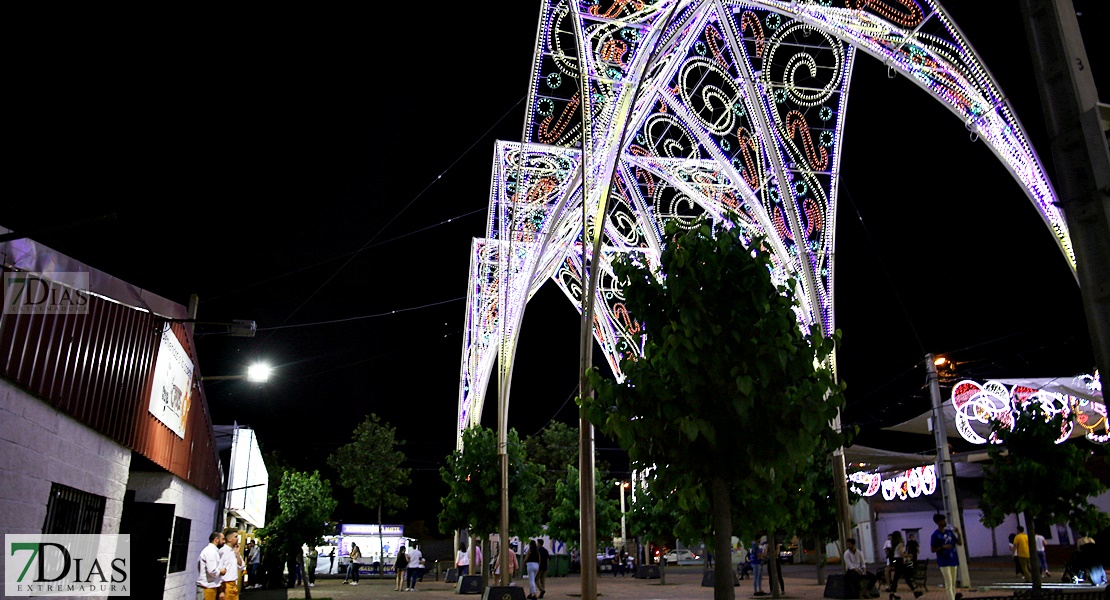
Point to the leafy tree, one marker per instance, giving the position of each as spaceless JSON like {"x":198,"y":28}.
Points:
{"x":555,"y":449}
{"x":1031,"y":474}
{"x":730,"y":394}
{"x":370,"y":466}
{"x":565,"y":522}
{"x":473,"y":478}
{"x":306,"y":504}
{"x":655,"y":514}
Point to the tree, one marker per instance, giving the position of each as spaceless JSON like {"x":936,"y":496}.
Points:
{"x":473,"y":478}
{"x":565,"y":521}
{"x":306,"y":503}
{"x":555,"y":449}
{"x":655,"y":514}
{"x":1030,"y":474}
{"x":370,"y":466}
{"x":730,"y":392}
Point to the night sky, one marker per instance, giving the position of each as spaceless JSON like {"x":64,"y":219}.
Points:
{"x":323,"y":174}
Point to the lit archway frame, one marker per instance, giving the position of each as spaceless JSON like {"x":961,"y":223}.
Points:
{"x":727,"y":109}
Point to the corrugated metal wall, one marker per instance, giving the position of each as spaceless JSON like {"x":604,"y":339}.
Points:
{"x":99,"y":368}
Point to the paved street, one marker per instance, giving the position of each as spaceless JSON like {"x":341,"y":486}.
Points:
{"x":989,"y":577}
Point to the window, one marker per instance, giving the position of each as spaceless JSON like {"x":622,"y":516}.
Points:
{"x":70,"y":510}
{"x":179,"y":549}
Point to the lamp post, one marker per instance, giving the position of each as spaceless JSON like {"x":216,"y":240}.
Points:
{"x":623,"y":485}
{"x":944,"y":463}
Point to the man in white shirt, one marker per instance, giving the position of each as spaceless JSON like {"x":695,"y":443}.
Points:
{"x":858,"y":583}
{"x":208,"y":568}
{"x":1041,"y":556}
{"x":231,"y":563}
{"x":414,"y":569}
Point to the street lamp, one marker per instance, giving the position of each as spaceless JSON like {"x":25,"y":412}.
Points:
{"x":256,"y":373}
{"x":624,"y":530}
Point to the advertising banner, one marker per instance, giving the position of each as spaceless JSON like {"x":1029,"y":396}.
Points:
{"x":173,"y":379}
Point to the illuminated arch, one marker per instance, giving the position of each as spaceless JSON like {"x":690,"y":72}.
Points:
{"x":726,"y":108}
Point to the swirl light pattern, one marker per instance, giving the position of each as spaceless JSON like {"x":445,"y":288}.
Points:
{"x":646,"y":112}
{"x":978,"y":406}
{"x":911,"y":483}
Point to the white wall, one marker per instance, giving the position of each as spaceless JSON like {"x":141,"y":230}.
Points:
{"x":189,"y":503}
{"x":40,"y":446}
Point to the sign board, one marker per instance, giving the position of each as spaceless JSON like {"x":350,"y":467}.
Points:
{"x":173,"y":380}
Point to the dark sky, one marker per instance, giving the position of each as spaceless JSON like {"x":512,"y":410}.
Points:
{"x":300,"y":169}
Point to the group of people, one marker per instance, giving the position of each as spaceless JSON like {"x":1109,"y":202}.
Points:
{"x":758,"y":558}
{"x":409,"y":568}
{"x":536,"y":562}
{"x":1019,"y":548}
{"x":220,"y":564}
{"x":901,"y":558}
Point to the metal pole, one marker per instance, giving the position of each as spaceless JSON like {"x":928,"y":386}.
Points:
{"x":624,"y":529}
{"x":944,"y":469}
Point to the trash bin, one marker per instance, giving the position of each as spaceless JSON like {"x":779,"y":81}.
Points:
{"x":558,"y":565}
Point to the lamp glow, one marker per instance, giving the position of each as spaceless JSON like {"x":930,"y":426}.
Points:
{"x":259,"y":373}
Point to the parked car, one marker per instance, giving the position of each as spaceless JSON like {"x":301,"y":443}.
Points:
{"x":786,"y":554}
{"x":680,"y":556}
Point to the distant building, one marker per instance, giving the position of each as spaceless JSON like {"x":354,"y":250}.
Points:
{"x":104,"y":427}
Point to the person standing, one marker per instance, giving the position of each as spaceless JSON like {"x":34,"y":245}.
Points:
{"x":331,"y":557}
{"x":310,"y":565}
{"x":416,"y":558}
{"x":888,"y":558}
{"x":756,"y":557}
{"x":1021,"y":550}
{"x":912,"y":550}
{"x":943,"y":542}
{"x":462,"y":562}
{"x":1042,"y":557}
{"x":1013,"y":553}
{"x":231,"y":563}
{"x":545,"y":561}
{"x":858,"y":581}
{"x":399,"y":567}
{"x":352,"y":567}
{"x":898,"y":564}
{"x":209,"y":572}
{"x":532,"y":564}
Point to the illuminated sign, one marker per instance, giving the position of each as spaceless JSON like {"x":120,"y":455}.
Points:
{"x":368,"y":529}
{"x":249,"y":479}
{"x":978,"y":406}
{"x":912,"y":483}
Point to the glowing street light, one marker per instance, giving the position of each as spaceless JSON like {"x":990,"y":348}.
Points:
{"x":256,"y":373}
{"x":623,"y":485}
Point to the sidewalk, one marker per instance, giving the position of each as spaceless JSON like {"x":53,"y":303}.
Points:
{"x":683,"y":583}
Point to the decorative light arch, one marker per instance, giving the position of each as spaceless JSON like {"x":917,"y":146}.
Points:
{"x":684,"y":108}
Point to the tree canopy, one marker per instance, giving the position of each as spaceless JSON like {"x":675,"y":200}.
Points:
{"x":732,"y":400}
{"x":565,"y":521}
{"x":473,"y":478}
{"x":306,"y":504}
{"x":370,"y":465}
{"x":555,"y":449}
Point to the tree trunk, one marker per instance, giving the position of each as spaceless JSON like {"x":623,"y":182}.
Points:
{"x":381,"y":545}
{"x":772,"y":560}
{"x":304,"y":576}
{"x":662,"y":568}
{"x":819,"y":550}
{"x":1034,"y":561}
{"x":486,"y":550}
{"x":722,"y":539}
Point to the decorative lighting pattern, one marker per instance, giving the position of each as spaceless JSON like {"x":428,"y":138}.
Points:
{"x":978,"y":406}
{"x":912,"y":483}
{"x":641,"y":114}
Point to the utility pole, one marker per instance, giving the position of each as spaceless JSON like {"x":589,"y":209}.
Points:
{"x":944,"y":470}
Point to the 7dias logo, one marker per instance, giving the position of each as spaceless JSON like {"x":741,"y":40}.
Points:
{"x":46,"y":293}
{"x":67,"y":565}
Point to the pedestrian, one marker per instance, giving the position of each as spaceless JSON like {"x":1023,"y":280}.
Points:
{"x":898,"y":564}
{"x":399,"y":567}
{"x":254,"y":560}
{"x":859,"y":583}
{"x":943,"y":542}
{"x":352,"y":567}
{"x":1090,"y":560}
{"x":1021,"y":550}
{"x":1042,"y":557}
{"x":231,"y":563}
{"x":1013,"y":553}
{"x":913,"y":548}
{"x":209,"y":572}
{"x":416,"y":559}
{"x":888,"y":559}
{"x":756,"y":557}
{"x":310,"y":565}
{"x":532,"y":564}
{"x":545,"y":561}
{"x":462,"y":562}
{"x":331,"y":556}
